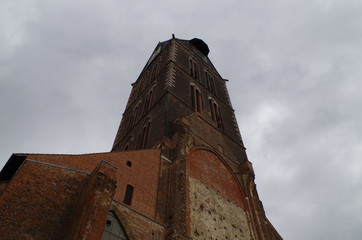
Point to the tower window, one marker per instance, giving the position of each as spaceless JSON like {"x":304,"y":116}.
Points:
{"x":210,"y":82}
{"x":143,"y":136}
{"x":215,"y":114}
{"x":149,"y":100}
{"x":194,"y":70}
{"x":196,"y":99}
{"x":154,"y":71}
{"x":128,"y":196}
{"x":129,"y":143}
{"x":113,"y":229}
{"x":133,"y":117}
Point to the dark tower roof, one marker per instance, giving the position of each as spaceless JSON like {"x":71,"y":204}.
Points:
{"x":200,"y":45}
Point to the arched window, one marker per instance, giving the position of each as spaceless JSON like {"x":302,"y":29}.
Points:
{"x":128,"y":144}
{"x":194,"y":69}
{"x":133,"y":116}
{"x":155,"y":69}
{"x":143,"y":135}
{"x":196,"y":99}
{"x":210,"y":82}
{"x":113,"y":229}
{"x":215,"y":113}
{"x":149,"y":100}
{"x":128,"y":195}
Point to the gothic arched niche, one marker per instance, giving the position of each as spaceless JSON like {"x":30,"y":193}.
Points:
{"x":215,"y":204}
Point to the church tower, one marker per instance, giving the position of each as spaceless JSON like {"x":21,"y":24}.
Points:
{"x":177,"y":169}
{"x":180,"y":104}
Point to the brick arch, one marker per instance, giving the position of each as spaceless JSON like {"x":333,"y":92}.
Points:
{"x":123,"y":220}
{"x":209,"y":168}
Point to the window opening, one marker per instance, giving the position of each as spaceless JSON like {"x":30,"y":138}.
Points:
{"x":143,"y":136}
{"x":154,"y":71}
{"x":210,"y":84}
{"x":149,"y":100}
{"x":215,"y":114}
{"x":129,"y":163}
{"x":196,"y":99}
{"x":129,"y":143}
{"x":133,"y":117}
{"x":194,"y":70}
{"x":113,"y":229}
{"x":128,"y":196}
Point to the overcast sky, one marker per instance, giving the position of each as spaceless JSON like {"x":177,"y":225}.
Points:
{"x":294,"y":70}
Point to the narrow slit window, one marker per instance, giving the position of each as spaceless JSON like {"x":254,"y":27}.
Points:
{"x":210,"y":84}
{"x":194,"y":70}
{"x":196,"y":99}
{"x":154,"y":71}
{"x":149,"y":100}
{"x":129,"y":194}
{"x":215,"y":114}
{"x":133,"y":117}
{"x":143,"y":136}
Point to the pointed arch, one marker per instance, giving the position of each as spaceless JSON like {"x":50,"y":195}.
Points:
{"x":143,"y":135}
{"x":129,"y":143}
{"x":210,"y":84}
{"x":196,"y":99}
{"x":211,"y":155}
{"x":155,"y":70}
{"x":216,"y":113}
{"x":133,"y":116}
{"x":113,"y":229}
{"x":194,"y":69}
{"x":149,"y":99}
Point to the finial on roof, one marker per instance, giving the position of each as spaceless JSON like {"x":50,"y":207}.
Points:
{"x":173,"y":36}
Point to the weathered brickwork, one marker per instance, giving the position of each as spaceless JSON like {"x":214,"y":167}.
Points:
{"x":177,"y":169}
{"x":143,"y":173}
{"x":42,"y":199}
{"x":137,"y":225}
{"x":216,"y":208}
{"x":214,"y":217}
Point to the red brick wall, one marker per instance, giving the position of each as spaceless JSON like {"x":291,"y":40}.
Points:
{"x":136,"y":225}
{"x":143,"y":175}
{"x":211,"y":171}
{"x":38,"y":201}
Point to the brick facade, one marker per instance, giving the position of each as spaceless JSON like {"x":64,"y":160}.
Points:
{"x":177,"y":169}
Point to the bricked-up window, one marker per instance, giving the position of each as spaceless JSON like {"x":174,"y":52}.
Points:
{"x":143,"y":83}
{"x":143,"y":135}
{"x":128,"y":144}
{"x":194,"y":70}
{"x":215,"y":113}
{"x":128,"y":196}
{"x":196,"y":99}
{"x":149,"y":100}
{"x":133,"y":117}
{"x":154,"y":72}
{"x":210,"y":84}
{"x":113,"y":229}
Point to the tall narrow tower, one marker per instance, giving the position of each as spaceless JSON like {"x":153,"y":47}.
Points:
{"x":177,"y":169}
{"x":180,"y":104}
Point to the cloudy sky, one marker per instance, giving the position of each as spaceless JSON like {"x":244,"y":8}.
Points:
{"x":294,"y":70}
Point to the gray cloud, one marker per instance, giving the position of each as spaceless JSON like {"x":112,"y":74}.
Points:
{"x":294,"y":71}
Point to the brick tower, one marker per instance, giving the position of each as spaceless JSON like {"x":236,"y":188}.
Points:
{"x":177,"y":169}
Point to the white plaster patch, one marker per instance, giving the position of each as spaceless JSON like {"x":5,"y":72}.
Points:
{"x":213,"y":217}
